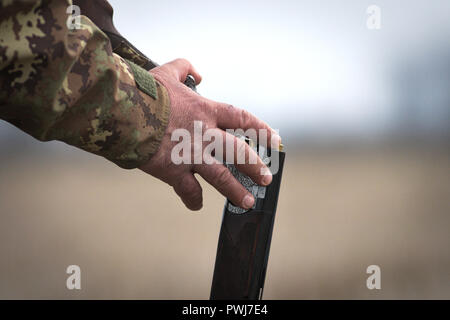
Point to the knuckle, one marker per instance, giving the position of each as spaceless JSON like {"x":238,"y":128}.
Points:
{"x":245,"y":118}
{"x":204,"y":104}
{"x":196,"y":197}
{"x":183,"y":61}
{"x":241,"y":151}
{"x":186,"y":186}
{"x":190,"y":190}
{"x":227,"y":110}
{"x":223,"y":179}
{"x":227,"y":107}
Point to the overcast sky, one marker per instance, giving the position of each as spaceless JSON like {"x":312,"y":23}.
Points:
{"x":299,"y":65}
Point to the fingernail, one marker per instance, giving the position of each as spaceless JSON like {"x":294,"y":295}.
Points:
{"x":267,"y":176}
{"x":248,"y":201}
{"x":276,"y":141}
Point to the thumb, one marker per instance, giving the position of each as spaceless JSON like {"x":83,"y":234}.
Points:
{"x":181,"y":68}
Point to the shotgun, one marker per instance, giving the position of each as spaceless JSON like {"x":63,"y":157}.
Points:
{"x":245,"y":236}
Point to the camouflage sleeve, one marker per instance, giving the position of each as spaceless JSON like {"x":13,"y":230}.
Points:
{"x":68,"y":85}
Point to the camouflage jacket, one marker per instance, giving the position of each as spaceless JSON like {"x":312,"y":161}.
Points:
{"x":61,"y":83}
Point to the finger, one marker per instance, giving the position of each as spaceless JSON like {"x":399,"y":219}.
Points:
{"x":183,"y":68}
{"x":245,"y":159}
{"x":221,"y":178}
{"x":189,"y":190}
{"x":236,"y":151}
{"x":229,"y":117}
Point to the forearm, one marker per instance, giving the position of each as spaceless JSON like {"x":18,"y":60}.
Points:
{"x":68,"y":85}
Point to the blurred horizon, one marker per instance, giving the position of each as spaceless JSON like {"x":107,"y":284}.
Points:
{"x":365,"y":118}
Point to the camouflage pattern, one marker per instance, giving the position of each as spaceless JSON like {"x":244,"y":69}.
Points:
{"x":126,"y":51}
{"x":68,"y":85}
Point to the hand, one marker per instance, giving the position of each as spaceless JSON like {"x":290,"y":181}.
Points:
{"x":187,"y":107}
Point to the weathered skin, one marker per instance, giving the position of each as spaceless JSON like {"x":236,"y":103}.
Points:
{"x":68,"y":85}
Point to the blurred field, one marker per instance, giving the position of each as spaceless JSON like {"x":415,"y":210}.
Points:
{"x":339,"y":212}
